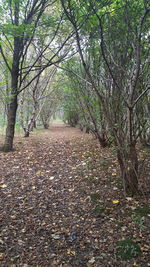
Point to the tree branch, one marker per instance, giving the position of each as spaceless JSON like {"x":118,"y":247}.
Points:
{"x":5,"y":60}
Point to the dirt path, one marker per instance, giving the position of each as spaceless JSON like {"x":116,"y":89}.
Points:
{"x":58,"y":193}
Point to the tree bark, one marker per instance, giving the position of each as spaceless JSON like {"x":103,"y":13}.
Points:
{"x":31,"y":124}
{"x":128,"y":162}
{"x":11,"y":120}
{"x":12,"y":109}
{"x":46,"y":125}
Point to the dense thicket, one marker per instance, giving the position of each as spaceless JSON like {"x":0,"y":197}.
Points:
{"x":113,"y":44}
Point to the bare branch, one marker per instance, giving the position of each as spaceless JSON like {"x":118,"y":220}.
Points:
{"x":5,"y":60}
{"x":141,"y":95}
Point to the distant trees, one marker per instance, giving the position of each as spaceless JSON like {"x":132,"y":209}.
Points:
{"x":36,"y":97}
{"x":81,"y":104}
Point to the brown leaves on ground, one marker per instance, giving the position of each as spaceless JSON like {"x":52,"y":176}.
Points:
{"x":62,"y":204}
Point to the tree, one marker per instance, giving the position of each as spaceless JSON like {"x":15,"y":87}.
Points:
{"x":82,"y":103}
{"x":21,"y":29}
{"x":120,"y":38}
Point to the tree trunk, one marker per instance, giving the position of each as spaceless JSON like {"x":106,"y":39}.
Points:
{"x":30,"y":125}
{"x":102,"y":139}
{"x":11,"y":120}
{"x":46,"y":125}
{"x":128,"y":162}
{"x":12,"y":110}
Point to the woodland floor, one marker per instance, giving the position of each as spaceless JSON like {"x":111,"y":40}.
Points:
{"x":62,"y":204}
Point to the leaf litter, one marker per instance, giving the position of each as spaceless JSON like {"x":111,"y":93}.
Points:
{"x":62,"y":204}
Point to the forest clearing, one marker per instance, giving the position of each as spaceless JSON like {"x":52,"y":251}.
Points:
{"x":62,"y":204}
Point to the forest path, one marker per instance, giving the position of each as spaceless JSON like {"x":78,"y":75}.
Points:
{"x":56,"y":209}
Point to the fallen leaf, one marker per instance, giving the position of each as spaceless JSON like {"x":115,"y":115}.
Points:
{"x":33,"y":187}
{"x":71,"y":252}
{"x":1,"y":256}
{"x":29,"y":208}
{"x":129,"y":198}
{"x":92,"y":260}
{"x":70,"y":190}
{"x":55,"y":236}
{"x":39,"y":173}
{"x":115,"y":201}
{"x":3,"y":186}
{"x":51,"y":178}
{"x":13,"y":217}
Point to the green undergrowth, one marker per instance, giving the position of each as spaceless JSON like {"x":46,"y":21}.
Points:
{"x":128,"y":249}
{"x":95,"y":197}
{"x":142,"y":211}
{"x":99,"y":209}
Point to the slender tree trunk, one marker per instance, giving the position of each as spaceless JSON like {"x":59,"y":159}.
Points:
{"x":11,"y":116}
{"x":46,"y":125}
{"x":12,"y":109}
{"x":11,"y":120}
{"x":31,"y":124}
{"x":128,"y":162}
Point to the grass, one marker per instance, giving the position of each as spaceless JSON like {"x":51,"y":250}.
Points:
{"x":18,"y":129}
{"x":142,"y":211}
